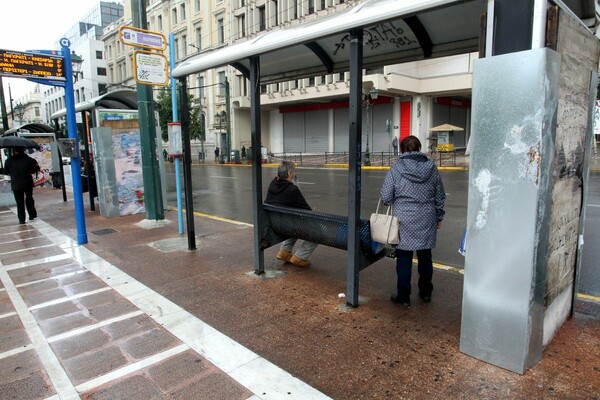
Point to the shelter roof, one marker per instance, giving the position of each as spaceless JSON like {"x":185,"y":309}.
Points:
{"x":123,"y":99}
{"x":394,"y":32}
{"x":31,"y":128}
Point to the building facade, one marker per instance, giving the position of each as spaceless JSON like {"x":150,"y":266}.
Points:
{"x":27,"y":109}
{"x":301,"y":116}
{"x":85,"y":37}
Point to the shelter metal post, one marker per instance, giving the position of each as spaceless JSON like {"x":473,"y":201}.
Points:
{"x":60,"y":164}
{"x":258,"y":215}
{"x":354,"y":175}
{"x":86,"y":152}
{"x":187,"y":163}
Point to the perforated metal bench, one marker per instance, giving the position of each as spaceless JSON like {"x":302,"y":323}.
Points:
{"x":317,"y":227}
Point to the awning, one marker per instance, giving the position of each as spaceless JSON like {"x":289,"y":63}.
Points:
{"x":119,"y":99}
{"x":394,"y":32}
{"x":445,"y":128}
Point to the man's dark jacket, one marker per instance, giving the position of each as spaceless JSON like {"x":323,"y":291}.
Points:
{"x":20,"y":167}
{"x":284,"y":193}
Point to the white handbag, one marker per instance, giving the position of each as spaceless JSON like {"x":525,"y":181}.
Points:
{"x":384,"y":227}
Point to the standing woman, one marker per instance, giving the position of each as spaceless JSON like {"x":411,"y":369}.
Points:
{"x":414,"y":188}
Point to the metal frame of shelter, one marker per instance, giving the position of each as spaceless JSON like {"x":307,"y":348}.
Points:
{"x":371,"y":34}
{"x":125,"y":99}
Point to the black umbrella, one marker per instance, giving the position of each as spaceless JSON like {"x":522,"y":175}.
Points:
{"x":17,"y":141}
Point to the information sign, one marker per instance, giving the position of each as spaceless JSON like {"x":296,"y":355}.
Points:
{"x":150,"y":68}
{"x":142,"y":38}
{"x":31,"y":65}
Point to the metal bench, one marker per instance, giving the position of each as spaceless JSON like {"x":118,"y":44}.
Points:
{"x":317,"y":227}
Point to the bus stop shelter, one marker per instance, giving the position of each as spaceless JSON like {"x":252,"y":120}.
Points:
{"x":505,"y":322}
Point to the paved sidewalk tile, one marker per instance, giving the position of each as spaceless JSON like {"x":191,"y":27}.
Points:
{"x":90,"y":340}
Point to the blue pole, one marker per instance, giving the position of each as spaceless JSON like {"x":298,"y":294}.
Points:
{"x":176,"y":119}
{"x":72,"y":132}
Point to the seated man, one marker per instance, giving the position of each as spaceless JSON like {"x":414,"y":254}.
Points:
{"x":283,"y":192}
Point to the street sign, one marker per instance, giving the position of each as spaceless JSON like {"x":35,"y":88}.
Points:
{"x":31,"y":65}
{"x":150,"y":68}
{"x":142,"y":38}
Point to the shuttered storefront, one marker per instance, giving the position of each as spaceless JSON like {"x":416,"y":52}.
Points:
{"x":307,"y":131}
{"x":341,"y":130}
{"x":316,"y":129}
{"x":293,"y":128}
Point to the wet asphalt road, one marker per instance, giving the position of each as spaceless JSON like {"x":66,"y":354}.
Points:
{"x":227,"y":192}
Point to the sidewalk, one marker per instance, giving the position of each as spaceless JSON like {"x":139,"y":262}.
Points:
{"x":134,"y":314}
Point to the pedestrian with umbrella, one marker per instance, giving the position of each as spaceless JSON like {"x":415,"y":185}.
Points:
{"x":20,"y":167}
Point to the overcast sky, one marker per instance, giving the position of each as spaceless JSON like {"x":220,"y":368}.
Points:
{"x":37,"y":24}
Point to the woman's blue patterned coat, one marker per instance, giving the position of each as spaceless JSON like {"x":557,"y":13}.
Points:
{"x":414,"y":187}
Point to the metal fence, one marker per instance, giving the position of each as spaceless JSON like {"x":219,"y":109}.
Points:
{"x":305,"y":159}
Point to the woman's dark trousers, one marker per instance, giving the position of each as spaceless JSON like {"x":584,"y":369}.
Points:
{"x":404,"y":271}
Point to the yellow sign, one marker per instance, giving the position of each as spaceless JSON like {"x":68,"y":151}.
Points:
{"x":142,"y":38}
{"x":448,"y":147}
{"x":150,"y":68}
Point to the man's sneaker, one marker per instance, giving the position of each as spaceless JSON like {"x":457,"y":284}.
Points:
{"x":426,"y":299}
{"x":299,"y":262}
{"x":284,"y":255}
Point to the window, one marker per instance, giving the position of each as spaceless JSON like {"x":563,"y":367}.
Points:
{"x":36,"y":111}
{"x":176,"y":49}
{"x":323,"y":5}
{"x":101,"y":71}
{"x":182,"y":12}
{"x":198,"y":39}
{"x":222,"y":79}
{"x":197,"y":5}
{"x":243,"y":89}
{"x":98,"y":55}
{"x":242,"y":25}
{"x":220,"y":31}
{"x":159,"y":22}
{"x":261,"y":19}
{"x":311,"y":6}
{"x":275,"y":13}
{"x":101,"y":88}
{"x":295,"y":9}
{"x":184,"y":45}
{"x":200,"y":87}
{"x":174,"y":16}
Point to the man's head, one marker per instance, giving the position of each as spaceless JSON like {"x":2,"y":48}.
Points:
{"x":410,"y":143}
{"x":19,"y":150}
{"x":286,"y":170}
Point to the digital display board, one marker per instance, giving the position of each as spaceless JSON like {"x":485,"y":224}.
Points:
{"x":31,"y":65}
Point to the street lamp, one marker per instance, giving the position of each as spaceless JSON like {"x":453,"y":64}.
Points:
{"x":77,"y":63}
{"x":19,"y":111}
{"x":371,"y":95}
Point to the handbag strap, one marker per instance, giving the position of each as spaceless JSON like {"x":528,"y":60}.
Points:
{"x":388,"y":212}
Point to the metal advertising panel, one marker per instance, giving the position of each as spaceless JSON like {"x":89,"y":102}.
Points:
{"x":31,"y":65}
{"x":142,"y":38}
{"x":150,"y":68}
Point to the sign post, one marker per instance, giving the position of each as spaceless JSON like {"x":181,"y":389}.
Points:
{"x":51,"y":68}
{"x":72,"y":133}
